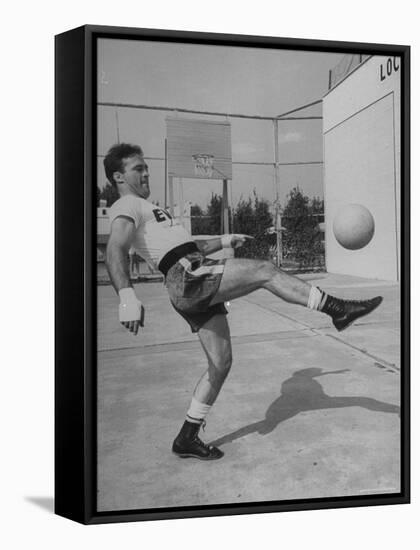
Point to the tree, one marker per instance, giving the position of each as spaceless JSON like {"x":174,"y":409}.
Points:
{"x":214,"y":213}
{"x":108,"y":193}
{"x":253,"y":217}
{"x":302,"y":240}
{"x":197,"y":220}
{"x":207,"y":222}
{"x":317,"y":206}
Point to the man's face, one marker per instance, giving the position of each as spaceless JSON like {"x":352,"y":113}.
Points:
{"x":136,"y":175}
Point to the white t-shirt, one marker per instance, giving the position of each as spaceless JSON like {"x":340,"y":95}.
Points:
{"x":156,"y":231}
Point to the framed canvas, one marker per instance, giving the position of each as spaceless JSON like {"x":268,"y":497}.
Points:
{"x":232,"y":274}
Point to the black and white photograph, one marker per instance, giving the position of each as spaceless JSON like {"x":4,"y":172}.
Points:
{"x":211,"y":340}
{"x":249,"y":261}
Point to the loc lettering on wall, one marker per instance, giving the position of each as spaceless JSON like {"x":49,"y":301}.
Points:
{"x":392,"y":65}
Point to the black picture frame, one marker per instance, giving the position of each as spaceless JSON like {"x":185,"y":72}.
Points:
{"x":75,"y":296}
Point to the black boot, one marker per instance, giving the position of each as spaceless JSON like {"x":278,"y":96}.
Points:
{"x":345,"y":312}
{"x":187,"y":444}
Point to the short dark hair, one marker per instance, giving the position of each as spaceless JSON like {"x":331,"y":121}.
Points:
{"x":114,"y":159}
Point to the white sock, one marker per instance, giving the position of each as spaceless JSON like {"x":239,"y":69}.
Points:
{"x":316,"y":298}
{"x":197,"y":411}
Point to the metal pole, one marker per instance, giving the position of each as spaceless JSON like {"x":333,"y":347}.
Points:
{"x":181,"y":200}
{"x":232,"y":229}
{"x":118,"y":125}
{"x":171,"y":195}
{"x":166,"y":174}
{"x":300,"y":108}
{"x":212,"y":113}
{"x":225,"y":208}
{"x":277,"y":181}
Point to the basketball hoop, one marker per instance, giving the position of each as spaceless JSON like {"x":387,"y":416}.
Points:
{"x":203,"y":165}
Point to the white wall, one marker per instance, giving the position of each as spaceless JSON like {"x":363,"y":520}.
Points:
{"x":362,"y":165}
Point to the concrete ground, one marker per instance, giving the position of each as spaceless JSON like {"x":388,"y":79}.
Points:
{"x":306,"y":411}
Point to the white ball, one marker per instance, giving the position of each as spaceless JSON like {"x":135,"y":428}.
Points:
{"x":354,"y":226}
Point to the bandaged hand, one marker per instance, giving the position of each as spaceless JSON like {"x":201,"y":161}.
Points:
{"x":234,"y":240}
{"x":131,"y":310}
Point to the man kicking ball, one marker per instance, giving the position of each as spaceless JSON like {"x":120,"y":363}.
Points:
{"x":197,"y":286}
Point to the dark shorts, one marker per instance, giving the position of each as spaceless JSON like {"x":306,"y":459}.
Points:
{"x":192,"y":283}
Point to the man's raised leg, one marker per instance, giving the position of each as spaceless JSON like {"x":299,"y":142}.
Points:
{"x":242,"y":276}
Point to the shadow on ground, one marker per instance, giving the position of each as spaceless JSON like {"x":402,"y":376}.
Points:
{"x":47,"y":503}
{"x":299,"y":393}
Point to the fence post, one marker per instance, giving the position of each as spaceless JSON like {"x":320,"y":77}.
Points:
{"x":225,"y":208}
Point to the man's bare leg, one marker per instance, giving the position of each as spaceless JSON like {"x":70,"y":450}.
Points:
{"x":215,"y":339}
{"x":242,"y":276}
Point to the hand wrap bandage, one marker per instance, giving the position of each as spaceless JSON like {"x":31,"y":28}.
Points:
{"x":226,"y":241}
{"x":130,"y":308}
{"x":233,"y":240}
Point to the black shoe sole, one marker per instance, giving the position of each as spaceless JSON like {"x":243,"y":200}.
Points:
{"x":191,"y":455}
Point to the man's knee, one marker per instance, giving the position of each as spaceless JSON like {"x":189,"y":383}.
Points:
{"x":264,"y":270}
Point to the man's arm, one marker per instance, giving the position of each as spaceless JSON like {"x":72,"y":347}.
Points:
{"x":131,"y":311}
{"x":117,"y":259}
{"x":208,"y":245}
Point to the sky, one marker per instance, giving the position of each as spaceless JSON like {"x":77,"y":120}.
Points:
{"x":252,"y":81}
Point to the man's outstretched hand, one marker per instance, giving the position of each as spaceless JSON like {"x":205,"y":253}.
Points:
{"x":235,"y":240}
